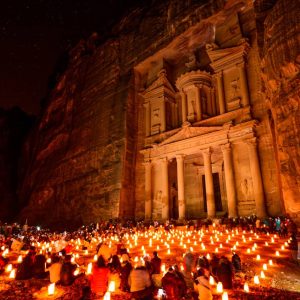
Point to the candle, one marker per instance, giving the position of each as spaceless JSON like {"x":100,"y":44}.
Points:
{"x":219,"y":287}
{"x":106,"y":296}
{"x":112,"y":287}
{"x":12,"y":274}
{"x":256,"y":279}
{"x":51,"y":289}
{"x":277,"y":253}
{"x":89,"y":268}
{"x":211,"y":280}
{"x":8,"y":268}
{"x":225,"y":296}
{"x":246,"y":287}
{"x":270,"y":262}
{"x":20,"y":259}
{"x":163,"y":268}
{"x":257,"y":257}
{"x":95,"y":257}
{"x":265,"y":267}
{"x":262,"y":274}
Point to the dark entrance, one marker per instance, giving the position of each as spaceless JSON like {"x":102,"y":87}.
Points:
{"x":217,"y":192}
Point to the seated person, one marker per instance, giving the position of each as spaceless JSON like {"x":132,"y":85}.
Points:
{"x":67,"y":271}
{"x":140,"y":283}
{"x":174,"y":285}
{"x":99,"y":277}
{"x":55,"y":270}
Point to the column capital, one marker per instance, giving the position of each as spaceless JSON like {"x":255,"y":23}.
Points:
{"x":147,"y":162}
{"x":179,"y":156}
{"x":206,"y":151}
{"x":252,"y":142}
{"x":164,"y":160}
{"x":182,"y":92}
{"x":241,"y":65}
{"x":146,"y":104}
{"x":226,"y":147}
{"x":218,"y":74}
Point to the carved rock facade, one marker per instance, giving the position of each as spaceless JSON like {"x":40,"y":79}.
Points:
{"x":168,"y":119}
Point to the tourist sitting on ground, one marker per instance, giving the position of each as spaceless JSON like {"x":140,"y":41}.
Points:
{"x":202,"y":286}
{"x":214,"y":264}
{"x":125,"y":270}
{"x":39,"y":266}
{"x":55,"y":270}
{"x":105,"y":251}
{"x":115,"y":270}
{"x":173,"y":285}
{"x":156,"y":263}
{"x":203,"y":262}
{"x":99,"y":277}
{"x":225,"y":273}
{"x":236,"y":262}
{"x":25,"y":269}
{"x":140,"y":283}
{"x":67,"y":271}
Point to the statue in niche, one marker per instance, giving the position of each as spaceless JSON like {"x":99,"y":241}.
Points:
{"x":235,"y":88}
{"x":204,"y":103}
{"x":159,"y":196}
{"x":245,"y":188}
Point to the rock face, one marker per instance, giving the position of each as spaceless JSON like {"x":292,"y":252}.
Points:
{"x":279,"y":26}
{"x":86,"y":162}
{"x":14,"y":126}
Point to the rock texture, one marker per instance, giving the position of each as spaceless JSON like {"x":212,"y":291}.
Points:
{"x":84,"y":156}
{"x":14,"y":126}
{"x":278,"y":31}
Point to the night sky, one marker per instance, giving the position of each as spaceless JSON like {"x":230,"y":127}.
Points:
{"x":34,"y":34}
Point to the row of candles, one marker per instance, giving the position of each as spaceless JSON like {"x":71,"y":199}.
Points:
{"x":161,"y":241}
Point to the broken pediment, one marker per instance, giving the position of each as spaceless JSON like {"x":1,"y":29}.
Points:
{"x":223,"y":58}
{"x":190,"y":132}
{"x":161,"y":84}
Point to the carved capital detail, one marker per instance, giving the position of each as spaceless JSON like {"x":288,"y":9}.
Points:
{"x":226,"y":148}
{"x":206,"y":152}
{"x":251,"y":143}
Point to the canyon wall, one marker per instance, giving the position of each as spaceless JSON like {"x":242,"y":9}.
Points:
{"x":84,"y":162}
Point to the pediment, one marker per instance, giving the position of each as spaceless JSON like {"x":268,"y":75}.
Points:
{"x":222,"y":54}
{"x":162,"y":83}
{"x":190,"y":132}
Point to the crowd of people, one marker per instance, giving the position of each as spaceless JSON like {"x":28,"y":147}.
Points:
{"x":144,"y":279}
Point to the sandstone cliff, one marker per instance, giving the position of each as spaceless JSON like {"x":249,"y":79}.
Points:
{"x":85,"y":163}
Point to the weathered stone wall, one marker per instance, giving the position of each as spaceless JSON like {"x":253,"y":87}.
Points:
{"x":85,"y":154}
{"x":14,"y":126}
{"x":278,"y":29}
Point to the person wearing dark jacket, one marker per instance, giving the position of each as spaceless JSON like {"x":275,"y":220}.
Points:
{"x":156,"y":263}
{"x":236,"y":262}
{"x":225,"y":273}
{"x":67,"y":271}
{"x":25,"y":269}
{"x":174,"y":285}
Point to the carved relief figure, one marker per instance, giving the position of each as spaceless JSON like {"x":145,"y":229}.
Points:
{"x":235,"y":88}
{"x":245,"y":188}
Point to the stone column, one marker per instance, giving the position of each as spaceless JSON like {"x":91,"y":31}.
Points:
{"x":148,"y":190}
{"x":183,"y":106}
{"x":221,"y":97}
{"x":163,"y":122}
{"x":164,"y":189}
{"x":147,"y":118}
{"x":198,"y":102}
{"x":229,"y":181}
{"x":209,"y":185}
{"x":258,"y":190}
{"x":244,"y":86}
{"x":180,"y":185}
